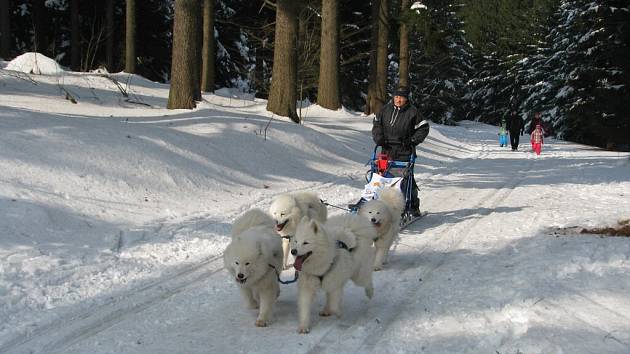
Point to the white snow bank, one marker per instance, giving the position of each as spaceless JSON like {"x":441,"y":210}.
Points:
{"x":35,"y":63}
{"x":234,"y":93}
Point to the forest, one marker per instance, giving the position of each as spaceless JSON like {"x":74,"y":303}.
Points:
{"x":462,"y":59}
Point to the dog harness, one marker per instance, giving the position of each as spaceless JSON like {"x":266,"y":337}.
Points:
{"x":341,"y":244}
{"x":295,"y":276}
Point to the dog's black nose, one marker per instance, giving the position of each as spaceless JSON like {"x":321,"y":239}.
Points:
{"x":294,"y":252}
{"x":240,"y":275}
{"x":373,"y":220}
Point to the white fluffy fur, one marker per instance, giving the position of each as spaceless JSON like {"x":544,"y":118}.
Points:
{"x":326,"y":266}
{"x":288,"y":209}
{"x":254,"y":247}
{"x":384,"y":213}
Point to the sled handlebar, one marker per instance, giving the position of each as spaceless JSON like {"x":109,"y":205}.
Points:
{"x":412,"y":157}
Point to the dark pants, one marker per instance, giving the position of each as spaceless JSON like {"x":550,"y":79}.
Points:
{"x":415,"y":201}
{"x":514,"y":140}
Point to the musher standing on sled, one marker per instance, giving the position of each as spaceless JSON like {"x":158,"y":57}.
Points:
{"x":398,"y":128}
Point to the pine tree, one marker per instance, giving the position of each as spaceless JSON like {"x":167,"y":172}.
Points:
{"x":403,"y":66}
{"x":370,"y":105}
{"x":41,"y":27}
{"x":507,"y":39}
{"x":354,"y":52}
{"x":183,"y":83}
{"x":110,"y":35}
{"x":5,"y":29}
{"x":130,"y":37}
{"x":442,"y":61}
{"x":382,"y":57}
{"x":208,"y":58}
{"x":328,"y":91}
{"x":75,"y":38}
{"x":593,"y":81}
{"x":283,"y":95}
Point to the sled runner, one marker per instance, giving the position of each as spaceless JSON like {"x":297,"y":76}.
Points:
{"x":386,"y":172}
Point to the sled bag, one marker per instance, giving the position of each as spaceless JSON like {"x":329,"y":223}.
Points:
{"x":376,"y":184}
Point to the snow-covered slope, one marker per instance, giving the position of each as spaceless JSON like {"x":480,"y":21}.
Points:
{"x":114,"y":212}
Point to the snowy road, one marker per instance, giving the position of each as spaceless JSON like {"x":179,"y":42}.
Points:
{"x":457,"y":279}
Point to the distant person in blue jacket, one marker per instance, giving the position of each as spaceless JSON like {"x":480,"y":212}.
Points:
{"x":503,"y":133}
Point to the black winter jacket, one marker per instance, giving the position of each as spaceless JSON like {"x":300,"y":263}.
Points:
{"x":399,"y":130}
{"x":515,"y":125}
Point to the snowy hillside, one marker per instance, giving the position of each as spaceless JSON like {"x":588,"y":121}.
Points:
{"x":114,"y":213}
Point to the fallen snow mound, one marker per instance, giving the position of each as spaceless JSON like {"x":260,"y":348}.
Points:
{"x":35,"y":63}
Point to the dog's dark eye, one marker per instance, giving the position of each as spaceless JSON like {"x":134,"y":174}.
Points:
{"x":247,"y":263}
{"x":282,"y":214}
{"x":305,"y":243}
{"x":236,"y":263}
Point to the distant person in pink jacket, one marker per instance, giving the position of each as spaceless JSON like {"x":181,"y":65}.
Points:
{"x":537,"y":139}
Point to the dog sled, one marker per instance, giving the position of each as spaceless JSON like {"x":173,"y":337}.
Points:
{"x":387,"y":172}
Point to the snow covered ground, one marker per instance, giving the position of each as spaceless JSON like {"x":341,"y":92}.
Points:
{"x":114,"y":213}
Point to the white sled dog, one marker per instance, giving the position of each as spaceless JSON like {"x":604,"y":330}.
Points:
{"x":384,"y":213}
{"x":254,"y":258}
{"x":288,"y":209}
{"x":329,"y":255}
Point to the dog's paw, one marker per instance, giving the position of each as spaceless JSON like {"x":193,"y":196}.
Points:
{"x":261,"y":323}
{"x":304,"y":330}
{"x":377,"y":268}
{"x":369,"y":292}
{"x":325,"y":313}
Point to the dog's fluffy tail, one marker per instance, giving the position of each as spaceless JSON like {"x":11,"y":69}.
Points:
{"x":393,"y":197}
{"x":312,"y":206}
{"x":251,"y":218}
{"x":352,"y":229}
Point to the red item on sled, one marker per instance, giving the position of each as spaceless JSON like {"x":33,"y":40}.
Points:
{"x":382,"y":161}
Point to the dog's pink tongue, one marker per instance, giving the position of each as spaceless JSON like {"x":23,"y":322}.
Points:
{"x":297,"y":264}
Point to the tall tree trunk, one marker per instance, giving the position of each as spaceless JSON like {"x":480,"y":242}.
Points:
{"x":41,"y":27}
{"x":301,"y":57}
{"x":75,"y":46}
{"x":381,"y":55}
{"x":403,"y":67}
{"x":328,"y":91}
{"x":5,"y":29}
{"x":369,"y":103}
{"x":197,"y":72}
{"x":130,"y":37}
{"x":182,"y":90}
{"x":209,"y":51}
{"x":109,"y":28}
{"x":282,"y":95}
